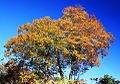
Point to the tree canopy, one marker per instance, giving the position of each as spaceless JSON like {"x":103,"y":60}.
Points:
{"x":47,"y":47}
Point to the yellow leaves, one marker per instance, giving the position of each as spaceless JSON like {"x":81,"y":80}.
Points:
{"x":65,"y":51}
{"x":97,"y":58}
{"x":10,"y":42}
{"x":84,"y":38}
{"x":7,"y":53}
{"x":11,"y":61}
{"x":65,"y":13}
{"x":72,"y":9}
{"x":94,"y":40}
{"x":76,"y":33}
{"x":79,"y":56}
{"x":27,"y":25}
{"x":35,"y":22}
{"x":75,"y":14}
{"x":34,"y":54}
{"x":72,"y":40}
{"x":20,"y":29}
{"x":94,"y":60}
{"x":92,"y":50}
{"x":60,"y":47}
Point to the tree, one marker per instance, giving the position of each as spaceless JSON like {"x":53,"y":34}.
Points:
{"x":50,"y":46}
{"x":108,"y":80}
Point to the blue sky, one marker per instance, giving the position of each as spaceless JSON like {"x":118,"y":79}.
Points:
{"x":14,"y":13}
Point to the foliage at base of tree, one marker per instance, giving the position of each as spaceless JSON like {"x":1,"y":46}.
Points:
{"x":31,"y":79}
{"x":67,"y":82}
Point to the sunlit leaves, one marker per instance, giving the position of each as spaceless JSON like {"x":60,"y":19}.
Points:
{"x":76,"y":39}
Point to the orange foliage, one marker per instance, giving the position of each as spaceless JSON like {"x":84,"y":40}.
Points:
{"x":76,"y":34}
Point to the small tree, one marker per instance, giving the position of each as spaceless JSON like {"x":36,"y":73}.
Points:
{"x":108,"y":80}
{"x":50,"y":46}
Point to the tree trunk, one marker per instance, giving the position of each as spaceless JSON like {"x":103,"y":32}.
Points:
{"x":71,"y":72}
{"x":60,"y":68}
{"x":70,"y":75}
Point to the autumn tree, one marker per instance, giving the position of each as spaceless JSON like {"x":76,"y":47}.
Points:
{"x":76,"y":40}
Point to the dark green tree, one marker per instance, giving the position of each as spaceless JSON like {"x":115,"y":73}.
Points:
{"x":106,"y":80}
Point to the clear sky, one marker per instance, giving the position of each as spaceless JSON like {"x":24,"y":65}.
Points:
{"x":14,"y":13}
